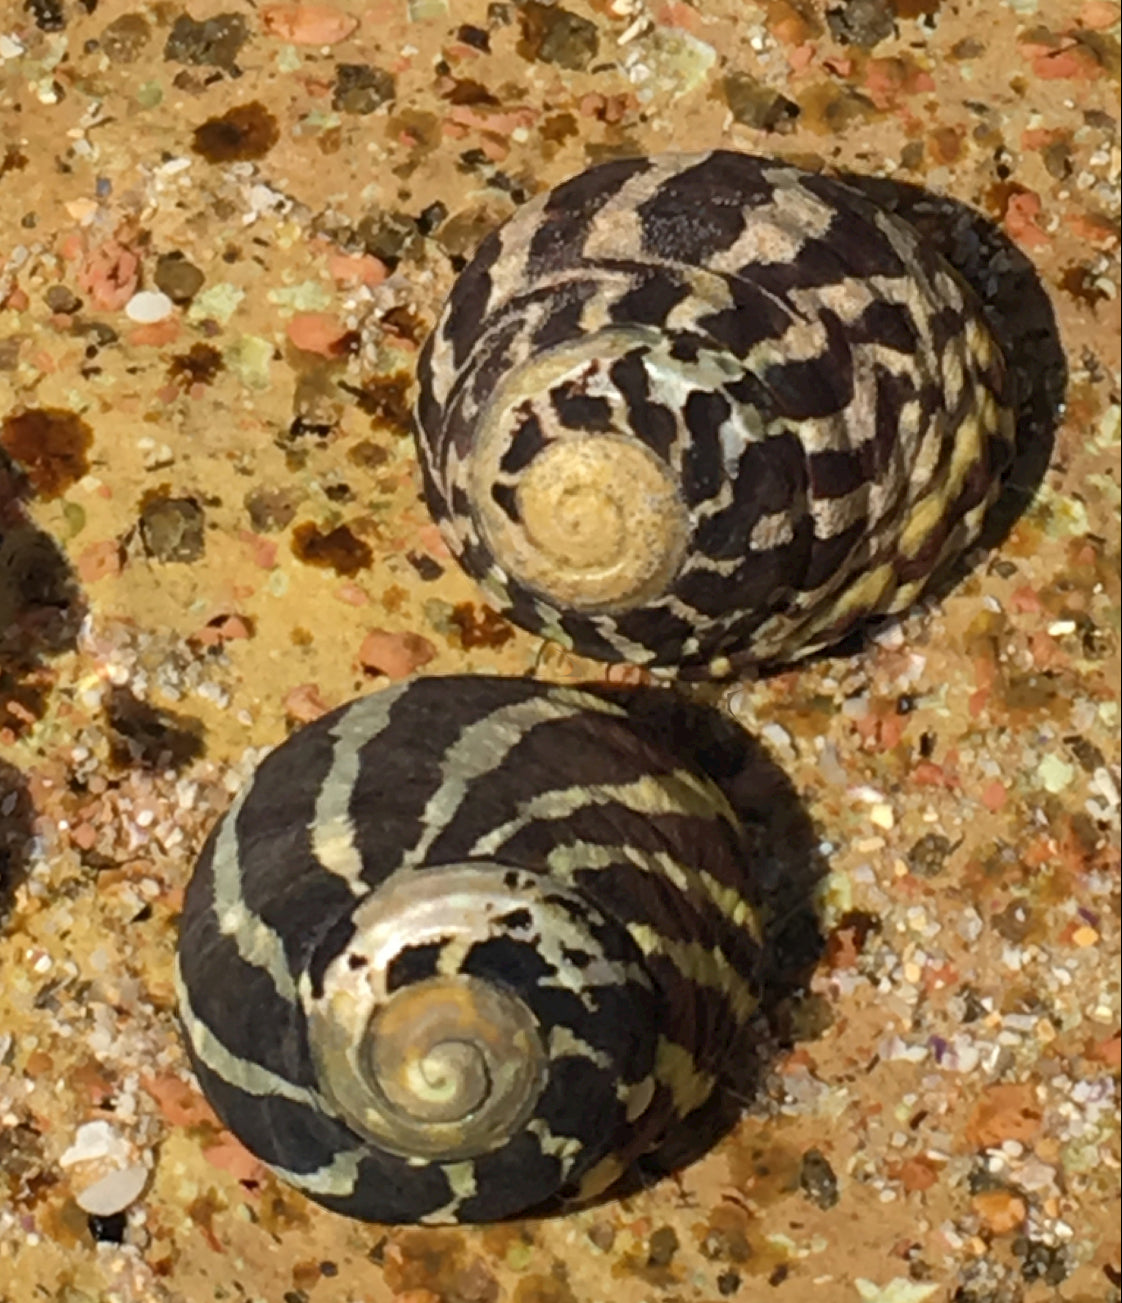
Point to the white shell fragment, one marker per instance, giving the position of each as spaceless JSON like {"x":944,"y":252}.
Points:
{"x":96,"y":1140}
{"x":114,"y":1192}
{"x":147,"y":306}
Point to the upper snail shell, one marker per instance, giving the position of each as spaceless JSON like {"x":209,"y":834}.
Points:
{"x":466,"y":948}
{"x":702,"y":411}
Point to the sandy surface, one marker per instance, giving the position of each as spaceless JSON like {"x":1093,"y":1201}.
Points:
{"x":223,"y":233}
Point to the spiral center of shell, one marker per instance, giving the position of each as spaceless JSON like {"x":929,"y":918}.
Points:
{"x":447,"y":1068}
{"x":600,"y":524}
{"x":447,"y":1084}
{"x":569,"y":500}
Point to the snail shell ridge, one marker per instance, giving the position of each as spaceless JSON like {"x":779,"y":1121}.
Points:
{"x":465,"y":949}
{"x":706,"y":411}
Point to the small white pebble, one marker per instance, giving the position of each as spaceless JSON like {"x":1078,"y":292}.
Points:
{"x":866,"y":795}
{"x":114,"y":1192}
{"x":777,"y":736}
{"x":95,"y":1140}
{"x":891,"y":638}
{"x":148,"y":306}
{"x":882,"y":816}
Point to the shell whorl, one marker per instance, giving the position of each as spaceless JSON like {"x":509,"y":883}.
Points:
{"x":465,"y":949}
{"x":445,"y":1067}
{"x":800,"y":410}
{"x":571,"y":504}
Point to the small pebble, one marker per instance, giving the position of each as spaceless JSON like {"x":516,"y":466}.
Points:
{"x":881,"y":815}
{"x":114,"y":1192}
{"x":94,"y":1140}
{"x":108,"y":1230}
{"x":394,"y":654}
{"x":305,"y":24}
{"x":360,"y":88}
{"x":179,"y":279}
{"x":173,"y":529}
{"x":817,"y":1179}
{"x":148,"y":306}
{"x":61,"y":299}
{"x":864,"y":23}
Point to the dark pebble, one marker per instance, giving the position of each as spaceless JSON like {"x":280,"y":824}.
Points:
{"x":662,"y":1246}
{"x":245,"y":132}
{"x":61,"y":299}
{"x":929,"y":855}
{"x":756,"y":105}
{"x":431,"y":218}
{"x":1014,"y":922}
{"x":476,"y":37}
{"x":173,"y":529}
{"x":602,"y":1234}
{"x":359,"y":88}
{"x":214,"y":42}
{"x":554,"y":35}
{"x":426,"y":568}
{"x":817,"y":1180}
{"x":387,"y":236}
{"x":107,"y":1230}
{"x":179,"y":279}
{"x":1046,"y":1262}
{"x":270,"y":509}
{"x":861,"y":22}
{"x":125,"y":37}
{"x":48,"y":14}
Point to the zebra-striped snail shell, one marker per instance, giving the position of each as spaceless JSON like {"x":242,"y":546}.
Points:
{"x":707,"y":411}
{"x":467,"y":948}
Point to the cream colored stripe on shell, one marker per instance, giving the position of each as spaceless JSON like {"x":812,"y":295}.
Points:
{"x":243,"y":1074}
{"x":461,"y":1181}
{"x":628,"y":649}
{"x":778,"y":230}
{"x":676,"y":792}
{"x":566,"y":1149}
{"x":333,"y":829}
{"x":337,"y":1178}
{"x":676,"y":1068}
{"x":256,"y":942}
{"x":565,"y":861}
{"x":710,"y":968}
{"x":616,"y":228}
{"x":671,"y":793}
{"x":482,"y":746}
{"x":689,"y":1087}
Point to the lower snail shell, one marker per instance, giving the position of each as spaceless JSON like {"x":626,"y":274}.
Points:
{"x":467,"y":948}
{"x":703,"y":411}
